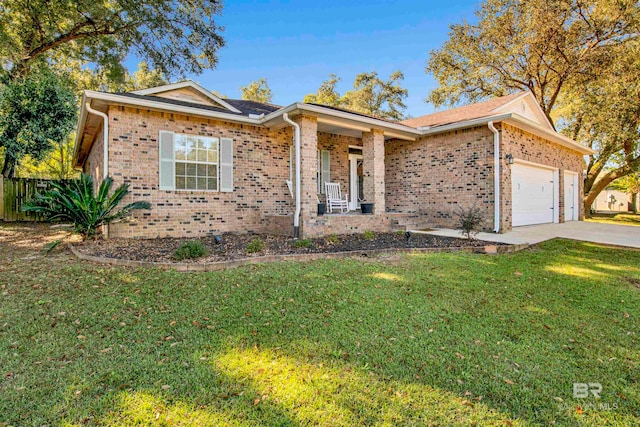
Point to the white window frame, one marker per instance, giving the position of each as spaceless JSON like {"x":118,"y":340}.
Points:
{"x":177,"y":136}
{"x":320,"y":168}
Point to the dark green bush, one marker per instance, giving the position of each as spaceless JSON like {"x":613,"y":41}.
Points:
{"x":192,"y":249}
{"x":76,"y":202}
{"x":256,"y":245}
{"x":470,"y":221}
{"x":333,"y":239}
{"x":304,"y":243}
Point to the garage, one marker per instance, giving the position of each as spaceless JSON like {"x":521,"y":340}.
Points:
{"x":534,"y":189}
{"x":570,"y":196}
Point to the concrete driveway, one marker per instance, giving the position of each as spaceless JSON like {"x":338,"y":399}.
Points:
{"x":610,"y":234}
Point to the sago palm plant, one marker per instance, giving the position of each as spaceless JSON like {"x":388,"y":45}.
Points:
{"x":76,"y":202}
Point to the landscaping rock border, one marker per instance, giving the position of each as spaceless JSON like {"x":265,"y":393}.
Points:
{"x":223,"y":265}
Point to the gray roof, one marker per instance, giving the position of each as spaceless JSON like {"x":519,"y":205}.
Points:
{"x":246,"y":107}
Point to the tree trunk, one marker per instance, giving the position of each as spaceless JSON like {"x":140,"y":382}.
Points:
{"x":634,"y":203}
{"x":9,"y":168}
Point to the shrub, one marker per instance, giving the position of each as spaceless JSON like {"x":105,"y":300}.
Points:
{"x":333,"y":239}
{"x":368,"y":235}
{"x":304,"y":243}
{"x":192,"y":249}
{"x":77,"y":202}
{"x":470,"y":221}
{"x":256,"y":245}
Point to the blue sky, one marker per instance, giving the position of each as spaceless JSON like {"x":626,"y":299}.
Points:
{"x":297,"y":44}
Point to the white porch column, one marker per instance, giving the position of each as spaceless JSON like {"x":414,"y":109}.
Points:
{"x":373,"y":168}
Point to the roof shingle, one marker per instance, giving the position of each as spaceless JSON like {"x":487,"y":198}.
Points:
{"x":467,"y":112}
{"x":246,"y":107}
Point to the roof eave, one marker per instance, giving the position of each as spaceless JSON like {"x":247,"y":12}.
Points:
{"x":528,"y":125}
{"x":187,"y":83}
{"x":389,"y":128}
{"x":159,"y":105}
{"x":82,"y":119}
{"x":514,"y":120}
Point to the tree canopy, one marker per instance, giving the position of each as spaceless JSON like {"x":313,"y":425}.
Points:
{"x":257,"y":90}
{"x":539,"y":45}
{"x":35,"y":113}
{"x":370,"y":95}
{"x":144,"y":77}
{"x":326,"y":94}
{"x":57,"y":164}
{"x":579,"y":58}
{"x":175,"y":37}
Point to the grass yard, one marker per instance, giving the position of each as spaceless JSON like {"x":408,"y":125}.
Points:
{"x":429,"y":339}
{"x":620,"y":218}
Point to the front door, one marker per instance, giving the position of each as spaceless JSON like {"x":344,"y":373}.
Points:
{"x":356,"y":189}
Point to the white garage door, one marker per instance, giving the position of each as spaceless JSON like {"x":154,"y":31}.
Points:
{"x":570,"y":196}
{"x":532,"y":194}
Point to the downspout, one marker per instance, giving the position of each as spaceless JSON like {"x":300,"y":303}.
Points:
{"x":496,"y":176}
{"x":296,"y":215}
{"x":105,"y":134}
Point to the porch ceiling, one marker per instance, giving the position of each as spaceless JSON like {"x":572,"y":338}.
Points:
{"x":339,"y":130}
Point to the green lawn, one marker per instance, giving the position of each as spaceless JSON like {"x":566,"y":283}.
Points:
{"x":620,"y":218}
{"x":429,"y":339}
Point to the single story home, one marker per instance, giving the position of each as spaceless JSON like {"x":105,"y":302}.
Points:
{"x":209,"y":164}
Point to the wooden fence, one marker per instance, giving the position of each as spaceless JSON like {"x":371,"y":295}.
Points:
{"x":14,"y":192}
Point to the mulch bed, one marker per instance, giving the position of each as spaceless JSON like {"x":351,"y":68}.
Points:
{"x":234,"y":246}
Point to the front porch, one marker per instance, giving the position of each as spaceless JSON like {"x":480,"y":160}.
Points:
{"x":350,"y":155}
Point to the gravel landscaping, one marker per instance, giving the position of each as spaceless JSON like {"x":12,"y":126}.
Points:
{"x":238,"y":246}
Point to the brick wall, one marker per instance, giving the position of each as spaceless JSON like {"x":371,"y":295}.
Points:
{"x":338,"y":145}
{"x":436,"y":175}
{"x":261,"y":158}
{"x":432,"y":176}
{"x":526,"y":146}
{"x":94,"y":165}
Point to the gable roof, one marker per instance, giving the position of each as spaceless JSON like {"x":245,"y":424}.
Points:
{"x":492,"y":107}
{"x":241,"y":107}
{"x":190,"y":84}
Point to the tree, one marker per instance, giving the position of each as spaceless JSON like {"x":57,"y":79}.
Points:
{"x":257,"y":91}
{"x":568,"y":53}
{"x":35,"y":112}
{"x":370,"y":95}
{"x":606,"y":115}
{"x":175,"y":37}
{"x":57,"y":164}
{"x":537,"y":45}
{"x":87,"y":78}
{"x":326,"y":94}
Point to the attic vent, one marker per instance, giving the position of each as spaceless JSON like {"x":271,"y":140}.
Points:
{"x":523,"y":106}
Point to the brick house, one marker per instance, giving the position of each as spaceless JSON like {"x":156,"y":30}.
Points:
{"x":209,"y":165}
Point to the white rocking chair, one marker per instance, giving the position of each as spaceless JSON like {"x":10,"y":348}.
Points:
{"x":335,"y":199}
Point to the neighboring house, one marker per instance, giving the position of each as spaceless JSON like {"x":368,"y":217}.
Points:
{"x":611,"y":200}
{"x":210,"y":165}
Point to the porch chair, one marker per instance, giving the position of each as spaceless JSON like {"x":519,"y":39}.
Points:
{"x":334,"y":197}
